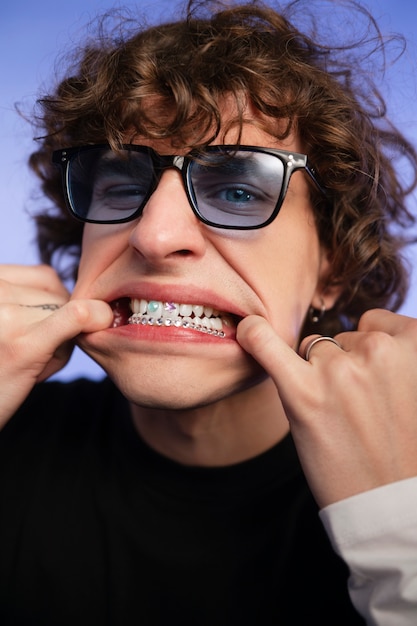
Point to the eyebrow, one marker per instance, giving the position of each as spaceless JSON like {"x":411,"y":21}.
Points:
{"x":234,"y":165}
{"x":113,"y":165}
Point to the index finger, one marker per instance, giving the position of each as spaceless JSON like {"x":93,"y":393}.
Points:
{"x":279,"y":360}
{"x":42,"y":277}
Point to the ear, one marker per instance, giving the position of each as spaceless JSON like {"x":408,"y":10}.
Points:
{"x":326,"y":293}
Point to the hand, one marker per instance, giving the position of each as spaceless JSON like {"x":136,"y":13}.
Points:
{"x":36,"y":340}
{"x":352,"y":410}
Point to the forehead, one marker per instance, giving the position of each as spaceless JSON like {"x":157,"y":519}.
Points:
{"x":243,"y":124}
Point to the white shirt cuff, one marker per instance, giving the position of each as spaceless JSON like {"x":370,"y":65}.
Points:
{"x":375,"y":532}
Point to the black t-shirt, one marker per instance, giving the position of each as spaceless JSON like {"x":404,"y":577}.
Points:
{"x":98,"y":529}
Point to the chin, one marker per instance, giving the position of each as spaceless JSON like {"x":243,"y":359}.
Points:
{"x":173,"y":375}
{"x":181,"y":388}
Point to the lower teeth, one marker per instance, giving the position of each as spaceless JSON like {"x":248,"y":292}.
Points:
{"x":143,"y":320}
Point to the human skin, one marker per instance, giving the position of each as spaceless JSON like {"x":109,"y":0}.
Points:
{"x":210,"y":401}
{"x":36,"y":342}
{"x":354,"y":417}
{"x":198,"y":398}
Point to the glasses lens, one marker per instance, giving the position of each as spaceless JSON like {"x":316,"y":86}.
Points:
{"x":107,"y":186}
{"x":238,"y":190}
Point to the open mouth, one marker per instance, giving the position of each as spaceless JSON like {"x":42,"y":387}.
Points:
{"x":155,"y":313}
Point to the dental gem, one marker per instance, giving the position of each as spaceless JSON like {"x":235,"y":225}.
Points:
{"x":153,"y":306}
{"x":170,"y":309}
{"x":199,"y":317}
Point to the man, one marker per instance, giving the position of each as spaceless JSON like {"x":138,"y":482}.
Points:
{"x":231,"y":193}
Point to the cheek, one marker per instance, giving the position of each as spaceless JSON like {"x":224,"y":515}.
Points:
{"x":102,"y":244}
{"x":283,"y":269}
{"x":293,"y":286}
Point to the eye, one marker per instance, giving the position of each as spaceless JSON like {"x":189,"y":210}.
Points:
{"x":236,"y":194}
{"x":115,"y":194}
{"x":232,"y":198}
{"x":119,"y":194}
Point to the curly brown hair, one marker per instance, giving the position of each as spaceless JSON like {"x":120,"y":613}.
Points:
{"x":187,"y":67}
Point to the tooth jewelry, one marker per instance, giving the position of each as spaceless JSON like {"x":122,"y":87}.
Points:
{"x":169,"y":307}
{"x":153,"y":306}
{"x":191,"y":316}
{"x":178,"y":322}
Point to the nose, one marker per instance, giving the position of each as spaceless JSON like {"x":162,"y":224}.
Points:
{"x":168,"y":229}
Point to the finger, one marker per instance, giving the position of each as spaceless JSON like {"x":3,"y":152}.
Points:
{"x":309,"y":346}
{"x":28,"y":295}
{"x":37,"y":277}
{"x":80,"y":317}
{"x":75,"y":317}
{"x":385,"y":321}
{"x":47,"y":306}
{"x":33,"y":335}
{"x":281,"y":362}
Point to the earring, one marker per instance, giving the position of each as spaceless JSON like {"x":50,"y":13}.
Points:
{"x":316,"y":315}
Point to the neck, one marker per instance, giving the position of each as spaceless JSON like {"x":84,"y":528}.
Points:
{"x":230,"y":431}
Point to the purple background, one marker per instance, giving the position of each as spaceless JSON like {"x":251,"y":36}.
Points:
{"x":32,"y":34}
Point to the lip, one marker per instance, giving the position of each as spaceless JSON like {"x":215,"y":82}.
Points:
{"x":175,"y":293}
{"x":170,"y":335}
{"x":189,"y":294}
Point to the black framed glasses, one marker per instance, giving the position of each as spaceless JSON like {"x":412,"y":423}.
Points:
{"x":232,"y":187}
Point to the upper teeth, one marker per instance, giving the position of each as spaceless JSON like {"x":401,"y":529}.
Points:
{"x":194,"y":316}
{"x":171,"y":309}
